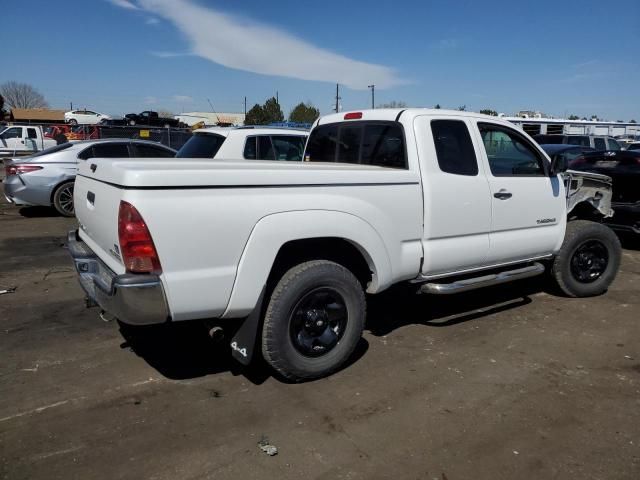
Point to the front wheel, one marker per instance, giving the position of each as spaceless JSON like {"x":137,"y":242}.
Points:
{"x":63,"y":199}
{"x":588,"y":260}
{"x":314,"y":320}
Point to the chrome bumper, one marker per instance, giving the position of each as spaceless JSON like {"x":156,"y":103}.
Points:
{"x":136,"y":299}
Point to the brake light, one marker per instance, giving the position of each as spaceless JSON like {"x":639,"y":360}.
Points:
{"x":20,"y":169}
{"x":353,"y":116}
{"x":136,"y":245}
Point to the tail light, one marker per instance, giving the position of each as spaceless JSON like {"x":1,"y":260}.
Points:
{"x":20,"y":169}
{"x":136,"y":245}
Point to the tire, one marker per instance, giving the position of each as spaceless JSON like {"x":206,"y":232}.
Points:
{"x":73,"y":122}
{"x":132,"y":122}
{"x":63,"y":199}
{"x":299,"y":353}
{"x":588,"y":260}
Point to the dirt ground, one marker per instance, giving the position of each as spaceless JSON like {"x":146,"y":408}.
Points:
{"x":505,"y":383}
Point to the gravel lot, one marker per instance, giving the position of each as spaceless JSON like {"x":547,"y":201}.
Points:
{"x":509,"y":382}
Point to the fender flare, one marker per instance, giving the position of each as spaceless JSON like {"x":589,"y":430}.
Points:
{"x":273,"y":231}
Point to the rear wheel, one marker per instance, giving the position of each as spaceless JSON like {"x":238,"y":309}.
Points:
{"x":63,"y":199}
{"x":314,"y":320}
{"x":73,"y":121}
{"x":588,"y":260}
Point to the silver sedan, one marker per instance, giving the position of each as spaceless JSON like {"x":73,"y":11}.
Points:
{"x":47,"y":177}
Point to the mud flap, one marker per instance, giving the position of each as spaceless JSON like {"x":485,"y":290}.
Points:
{"x":243,"y":342}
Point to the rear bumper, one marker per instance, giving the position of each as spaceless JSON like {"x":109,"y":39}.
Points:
{"x":134,"y":299}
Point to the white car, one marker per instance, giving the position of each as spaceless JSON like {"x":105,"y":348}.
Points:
{"x":84,"y":117}
{"x":245,"y":143}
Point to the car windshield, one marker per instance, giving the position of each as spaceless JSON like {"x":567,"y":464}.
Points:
{"x":201,"y":145}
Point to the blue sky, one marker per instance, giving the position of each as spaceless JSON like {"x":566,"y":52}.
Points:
{"x":120,"y":56}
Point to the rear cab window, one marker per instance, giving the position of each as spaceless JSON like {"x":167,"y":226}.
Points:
{"x":376,"y":143}
{"x":201,"y":145}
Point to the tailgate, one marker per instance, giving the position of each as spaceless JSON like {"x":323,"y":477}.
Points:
{"x":96,"y":205}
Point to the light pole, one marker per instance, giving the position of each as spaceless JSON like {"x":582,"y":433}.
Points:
{"x":373,"y":95}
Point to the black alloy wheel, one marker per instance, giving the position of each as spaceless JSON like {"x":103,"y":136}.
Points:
{"x":589,"y":261}
{"x":318,"y":322}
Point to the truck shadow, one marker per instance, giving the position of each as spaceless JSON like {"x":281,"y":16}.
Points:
{"x":184,"y":350}
{"x":400,"y":306}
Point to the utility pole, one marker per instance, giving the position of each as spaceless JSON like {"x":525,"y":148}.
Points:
{"x":373,"y":96}
{"x":277,"y":98}
{"x":245,"y":105}
{"x":337,"y":97}
{"x":71,"y":103}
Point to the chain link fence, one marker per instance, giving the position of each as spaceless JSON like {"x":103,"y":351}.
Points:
{"x":170,"y":136}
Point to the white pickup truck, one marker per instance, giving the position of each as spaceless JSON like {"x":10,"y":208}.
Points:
{"x":23,"y":140}
{"x":280,"y":254}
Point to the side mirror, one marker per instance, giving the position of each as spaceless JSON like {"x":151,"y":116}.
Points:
{"x":559,"y":165}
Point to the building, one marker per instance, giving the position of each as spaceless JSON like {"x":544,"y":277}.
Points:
{"x":534,"y":126}
{"x":36,"y":115}
{"x":211,"y":118}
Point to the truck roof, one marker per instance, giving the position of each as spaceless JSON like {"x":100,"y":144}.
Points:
{"x":393,"y":114}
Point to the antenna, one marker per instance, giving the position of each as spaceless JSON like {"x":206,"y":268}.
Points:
{"x":213,"y":109}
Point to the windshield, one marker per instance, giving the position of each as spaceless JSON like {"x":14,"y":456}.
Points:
{"x":201,"y":145}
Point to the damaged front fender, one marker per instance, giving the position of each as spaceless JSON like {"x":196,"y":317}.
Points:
{"x":591,"y":188}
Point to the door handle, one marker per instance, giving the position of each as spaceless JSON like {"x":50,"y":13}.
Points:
{"x":502,"y":194}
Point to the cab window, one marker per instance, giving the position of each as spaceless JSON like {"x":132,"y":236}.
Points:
{"x":11,"y":133}
{"x":599,"y":144}
{"x":378,"y":143}
{"x":454,"y":149}
{"x":509,"y":154}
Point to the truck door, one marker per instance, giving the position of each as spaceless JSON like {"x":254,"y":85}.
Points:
{"x":528,"y":212}
{"x":457,"y":206}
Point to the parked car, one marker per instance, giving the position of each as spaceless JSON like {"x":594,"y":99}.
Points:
{"x":280,"y":253}
{"x":633,"y":146}
{"x":624,"y":169}
{"x":84,"y":117}
{"x":47,"y":178}
{"x":111,"y":122}
{"x":20,"y":140}
{"x":565,"y":154}
{"x":152,"y":119}
{"x":597,"y":142}
{"x":249,"y":143}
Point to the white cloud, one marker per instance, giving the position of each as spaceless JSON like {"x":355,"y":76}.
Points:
{"x":169,"y":54}
{"x":152,"y":21}
{"x":238,"y":43}
{"x":183,"y":98}
{"x":124,"y":4}
{"x":150,"y":100}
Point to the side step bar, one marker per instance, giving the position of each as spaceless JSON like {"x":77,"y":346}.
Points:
{"x":484,"y":281}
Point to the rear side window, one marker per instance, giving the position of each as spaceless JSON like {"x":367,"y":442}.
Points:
{"x":368,"y":143}
{"x":288,"y":147}
{"x":110,"y":150}
{"x":599,"y":144}
{"x":31,"y":133}
{"x":201,"y":145}
{"x":578,"y":140}
{"x":151,"y":151}
{"x":265,"y":148}
{"x":613,"y":144}
{"x":454,"y":148}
